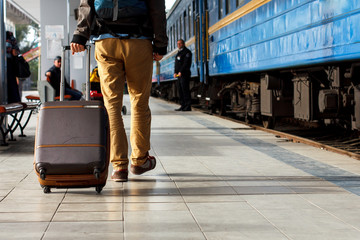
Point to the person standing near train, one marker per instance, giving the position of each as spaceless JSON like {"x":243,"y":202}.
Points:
{"x":182,"y":73}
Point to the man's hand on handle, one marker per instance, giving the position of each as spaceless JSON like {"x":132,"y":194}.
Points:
{"x":157,"y":57}
{"x":75,"y":47}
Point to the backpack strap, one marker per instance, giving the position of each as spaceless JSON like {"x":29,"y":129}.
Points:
{"x":107,"y":29}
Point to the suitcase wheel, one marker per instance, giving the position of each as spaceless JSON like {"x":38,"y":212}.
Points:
{"x":47,"y":190}
{"x":99,"y":189}
{"x":97,"y":173}
{"x":42,"y":173}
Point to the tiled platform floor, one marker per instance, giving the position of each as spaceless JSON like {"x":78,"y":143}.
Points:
{"x":214,"y":180}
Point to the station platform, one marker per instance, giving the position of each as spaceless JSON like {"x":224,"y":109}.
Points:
{"x":214,"y":179}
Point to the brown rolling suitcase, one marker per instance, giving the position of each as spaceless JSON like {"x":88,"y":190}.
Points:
{"x":71,"y":144}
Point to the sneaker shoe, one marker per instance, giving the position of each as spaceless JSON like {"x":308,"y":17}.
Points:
{"x":149,"y":164}
{"x":120,"y":175}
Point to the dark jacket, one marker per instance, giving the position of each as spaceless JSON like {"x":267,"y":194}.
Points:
{"x":183,"y":62}
{"x":55,"y":79}
{"x":12,"y":86}
{"x":154,"y":26}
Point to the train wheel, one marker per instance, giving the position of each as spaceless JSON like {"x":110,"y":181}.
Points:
{"x":213,"y":109}
{"x":249,"y":119}
{"x":268,"y":122}
{"x":223,"y":106}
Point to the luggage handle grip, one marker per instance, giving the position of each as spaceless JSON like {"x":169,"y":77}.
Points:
{"x":62,"y":82}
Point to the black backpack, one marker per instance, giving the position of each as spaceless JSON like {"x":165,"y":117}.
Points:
{"x":118,"y":9}
{"x":23,"y":68}
{"x":122,"y":16}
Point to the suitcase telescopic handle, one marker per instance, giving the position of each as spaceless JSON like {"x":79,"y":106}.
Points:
{"x":62,"y":82}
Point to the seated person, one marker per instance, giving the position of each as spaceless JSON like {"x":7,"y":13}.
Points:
{"x":54,"y":74}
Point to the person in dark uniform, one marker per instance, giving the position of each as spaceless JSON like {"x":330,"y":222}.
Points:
{"x":182,"y":72}
{"x":54,"y":74}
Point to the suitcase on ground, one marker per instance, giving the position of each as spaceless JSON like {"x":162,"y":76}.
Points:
{"x":71,"y":144}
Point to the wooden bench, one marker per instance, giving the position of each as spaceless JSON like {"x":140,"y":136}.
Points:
{"x":33,"y":98}
{"x":47,"y":92}
{"x":11,"y":109}
{"x":66,"y":97}
{"x":28,"y":106}
{"x":17,"y":112}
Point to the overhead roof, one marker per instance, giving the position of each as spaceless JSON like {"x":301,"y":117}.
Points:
{"x":23,"y":11}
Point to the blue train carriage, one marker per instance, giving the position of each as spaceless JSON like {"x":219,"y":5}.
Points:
{"x":302,"y":55}
{"x":266,"y":59}
{"x":180,"y":25}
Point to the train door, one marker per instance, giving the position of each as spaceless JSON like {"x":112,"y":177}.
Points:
{"x":207,"y":88}
{"x":197,"y":35}
{"x":201,"y":25}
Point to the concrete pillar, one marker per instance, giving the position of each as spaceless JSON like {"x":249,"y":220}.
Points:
{"x":3,"y":76}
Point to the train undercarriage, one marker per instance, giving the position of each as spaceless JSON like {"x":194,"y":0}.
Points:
{"x":323,"y":95}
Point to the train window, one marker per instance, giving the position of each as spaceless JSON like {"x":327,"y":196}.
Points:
{"x":177,"y":30}
{"x":174,"y":38}
{"x":220,"y":9}
{"x":180,"y":27}
{"x":227,"y":7}
{"x":239,"y":3}
{"x":193,"y":16}
{"x":184,"y":19}
{"x":189,"y":20}
{"x":169,"y":41}
{"x":175,"y":33}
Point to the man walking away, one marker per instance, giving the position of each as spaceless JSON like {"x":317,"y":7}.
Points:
{"x":182,"y":72}
{"x":128,"y":35}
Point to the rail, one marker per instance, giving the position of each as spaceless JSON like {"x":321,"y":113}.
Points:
{"x":345,"y":146}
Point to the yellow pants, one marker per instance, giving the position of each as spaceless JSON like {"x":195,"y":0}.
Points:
{"x":131,"y":60}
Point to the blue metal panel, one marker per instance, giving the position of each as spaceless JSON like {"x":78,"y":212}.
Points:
{"x":287,"y":33}
{"x":167,"y":67}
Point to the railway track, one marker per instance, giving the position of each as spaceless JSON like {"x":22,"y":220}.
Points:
{"x":334,"y":139}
